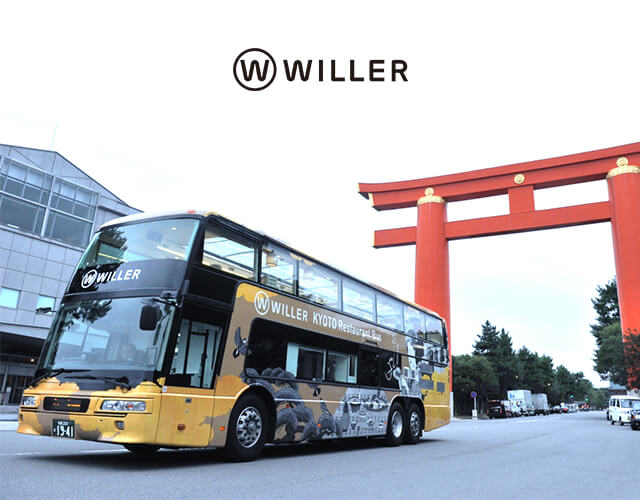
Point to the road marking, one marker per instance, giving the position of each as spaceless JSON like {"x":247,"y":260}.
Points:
{"x":49,"y":453}
{"x":8,"y":426}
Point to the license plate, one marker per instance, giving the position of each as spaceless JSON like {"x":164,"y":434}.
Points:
{"x":63,"y":429}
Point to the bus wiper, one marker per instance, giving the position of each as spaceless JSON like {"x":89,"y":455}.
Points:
{"x":120,"y":381}
{"x":52,"y":373}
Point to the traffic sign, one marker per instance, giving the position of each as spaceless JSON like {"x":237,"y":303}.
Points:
{"x":474,"y":394}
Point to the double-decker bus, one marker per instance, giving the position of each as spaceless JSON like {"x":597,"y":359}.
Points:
{"x":189,"y":330}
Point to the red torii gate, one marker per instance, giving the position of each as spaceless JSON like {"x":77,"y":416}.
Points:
{"x":433,"y":231}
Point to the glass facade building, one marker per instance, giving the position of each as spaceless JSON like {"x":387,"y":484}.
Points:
{"x":48,"y":210}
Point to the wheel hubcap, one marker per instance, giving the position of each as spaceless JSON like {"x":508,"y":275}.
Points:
{"x":396,"y":424}
{"x":414,"y":423}
{"x":249,"y":427}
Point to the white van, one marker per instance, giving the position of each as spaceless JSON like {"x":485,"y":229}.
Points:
{"x":620,"y":409}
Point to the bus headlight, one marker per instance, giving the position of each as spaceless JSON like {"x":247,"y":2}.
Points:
{"x":30,"y":401}
{"x":123,"y":405}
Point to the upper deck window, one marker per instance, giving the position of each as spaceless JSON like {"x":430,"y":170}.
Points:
{"x":414,"y":322}
{"x":358,"y":300}
{"x":228,"y":252}
{"x":435,"y":330}
{"x":278,"y":268}
{"x":319,"y":284}
{"x":161,"y":239}
{"x":389,"y":312}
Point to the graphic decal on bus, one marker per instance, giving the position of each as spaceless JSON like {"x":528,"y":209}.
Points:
{"x":361,"y":411}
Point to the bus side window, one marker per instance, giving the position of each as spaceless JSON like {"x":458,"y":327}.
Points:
{"x":368,"y":367}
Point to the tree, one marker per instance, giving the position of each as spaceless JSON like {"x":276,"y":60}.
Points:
{"x":487,"y":343}
{"x":614,"y":359}
{"x":606,"y":304}
{"x":472,"y":373}
{"x":632,"y":357}
{"x":536,"y":372}
{"x":608,"y":358}
{"x":498,"y":350}
{"x":609,"y":354}
{"x":563,"y":386}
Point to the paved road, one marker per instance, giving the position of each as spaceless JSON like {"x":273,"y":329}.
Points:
{"x":559,"y":456}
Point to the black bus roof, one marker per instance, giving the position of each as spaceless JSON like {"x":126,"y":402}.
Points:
{"x":255,"y":234}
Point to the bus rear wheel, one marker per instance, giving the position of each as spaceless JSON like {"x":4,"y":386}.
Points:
{"x":395,"y":425}
{"x":248,"y":426}
{"x":142,"y":450}
{"x":413,"y":425}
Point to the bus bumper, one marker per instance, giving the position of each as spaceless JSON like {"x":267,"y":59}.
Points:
{"x":111,"y":428}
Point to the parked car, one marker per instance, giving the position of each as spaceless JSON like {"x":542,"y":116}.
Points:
{"x":620,"y":409}
{"x":635,"y":415}
{"x":497,"y":410}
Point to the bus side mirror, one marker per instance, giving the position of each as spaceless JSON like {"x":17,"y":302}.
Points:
{"x":149,"y":317}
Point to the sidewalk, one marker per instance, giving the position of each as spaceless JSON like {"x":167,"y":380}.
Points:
{"x":8,"y":412}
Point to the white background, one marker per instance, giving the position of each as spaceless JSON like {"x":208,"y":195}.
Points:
{"x":141,"y":96}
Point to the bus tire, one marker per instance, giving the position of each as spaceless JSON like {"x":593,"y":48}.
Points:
{"x":142,"y":450}
{"x":395,"y":425}
{"x":248,"y":427}
{"x":413,"y":425}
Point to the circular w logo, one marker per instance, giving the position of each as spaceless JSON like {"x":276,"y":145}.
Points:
{"x":261,"y":303}
{"x":254,"y":69}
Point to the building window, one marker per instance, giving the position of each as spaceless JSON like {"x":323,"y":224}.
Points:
{"x":73,"y":209}
{"x":9,"y":298}
{"x":20,"y":214}
{"x":26,"y":182}
{"x":68,"y":229}
{"x":73,"y":199}
{"x":25,"y":193}
{"x":44,"y":301}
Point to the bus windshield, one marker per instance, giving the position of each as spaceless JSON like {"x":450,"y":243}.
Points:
{"x":160,"y":239}
{"x":105,"y":335}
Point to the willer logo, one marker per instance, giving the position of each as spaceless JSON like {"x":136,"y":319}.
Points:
{"x":256,"y":69}
{"x":89,"y":278}
{"x":261,"y":303}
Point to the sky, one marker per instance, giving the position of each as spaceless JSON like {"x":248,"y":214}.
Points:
{"x":141,"y":96}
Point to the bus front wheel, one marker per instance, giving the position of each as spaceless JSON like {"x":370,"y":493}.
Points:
{"x":395,"y":425}
{"x":247,"y":429}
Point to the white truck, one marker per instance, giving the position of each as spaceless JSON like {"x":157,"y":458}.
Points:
{"x":541,"y":404}
{"x":522,"y":399}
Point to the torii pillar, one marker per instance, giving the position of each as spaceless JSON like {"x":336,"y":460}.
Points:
{"x":519,"y":181}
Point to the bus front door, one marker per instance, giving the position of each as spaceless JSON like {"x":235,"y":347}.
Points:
{"x":187,"y":399}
